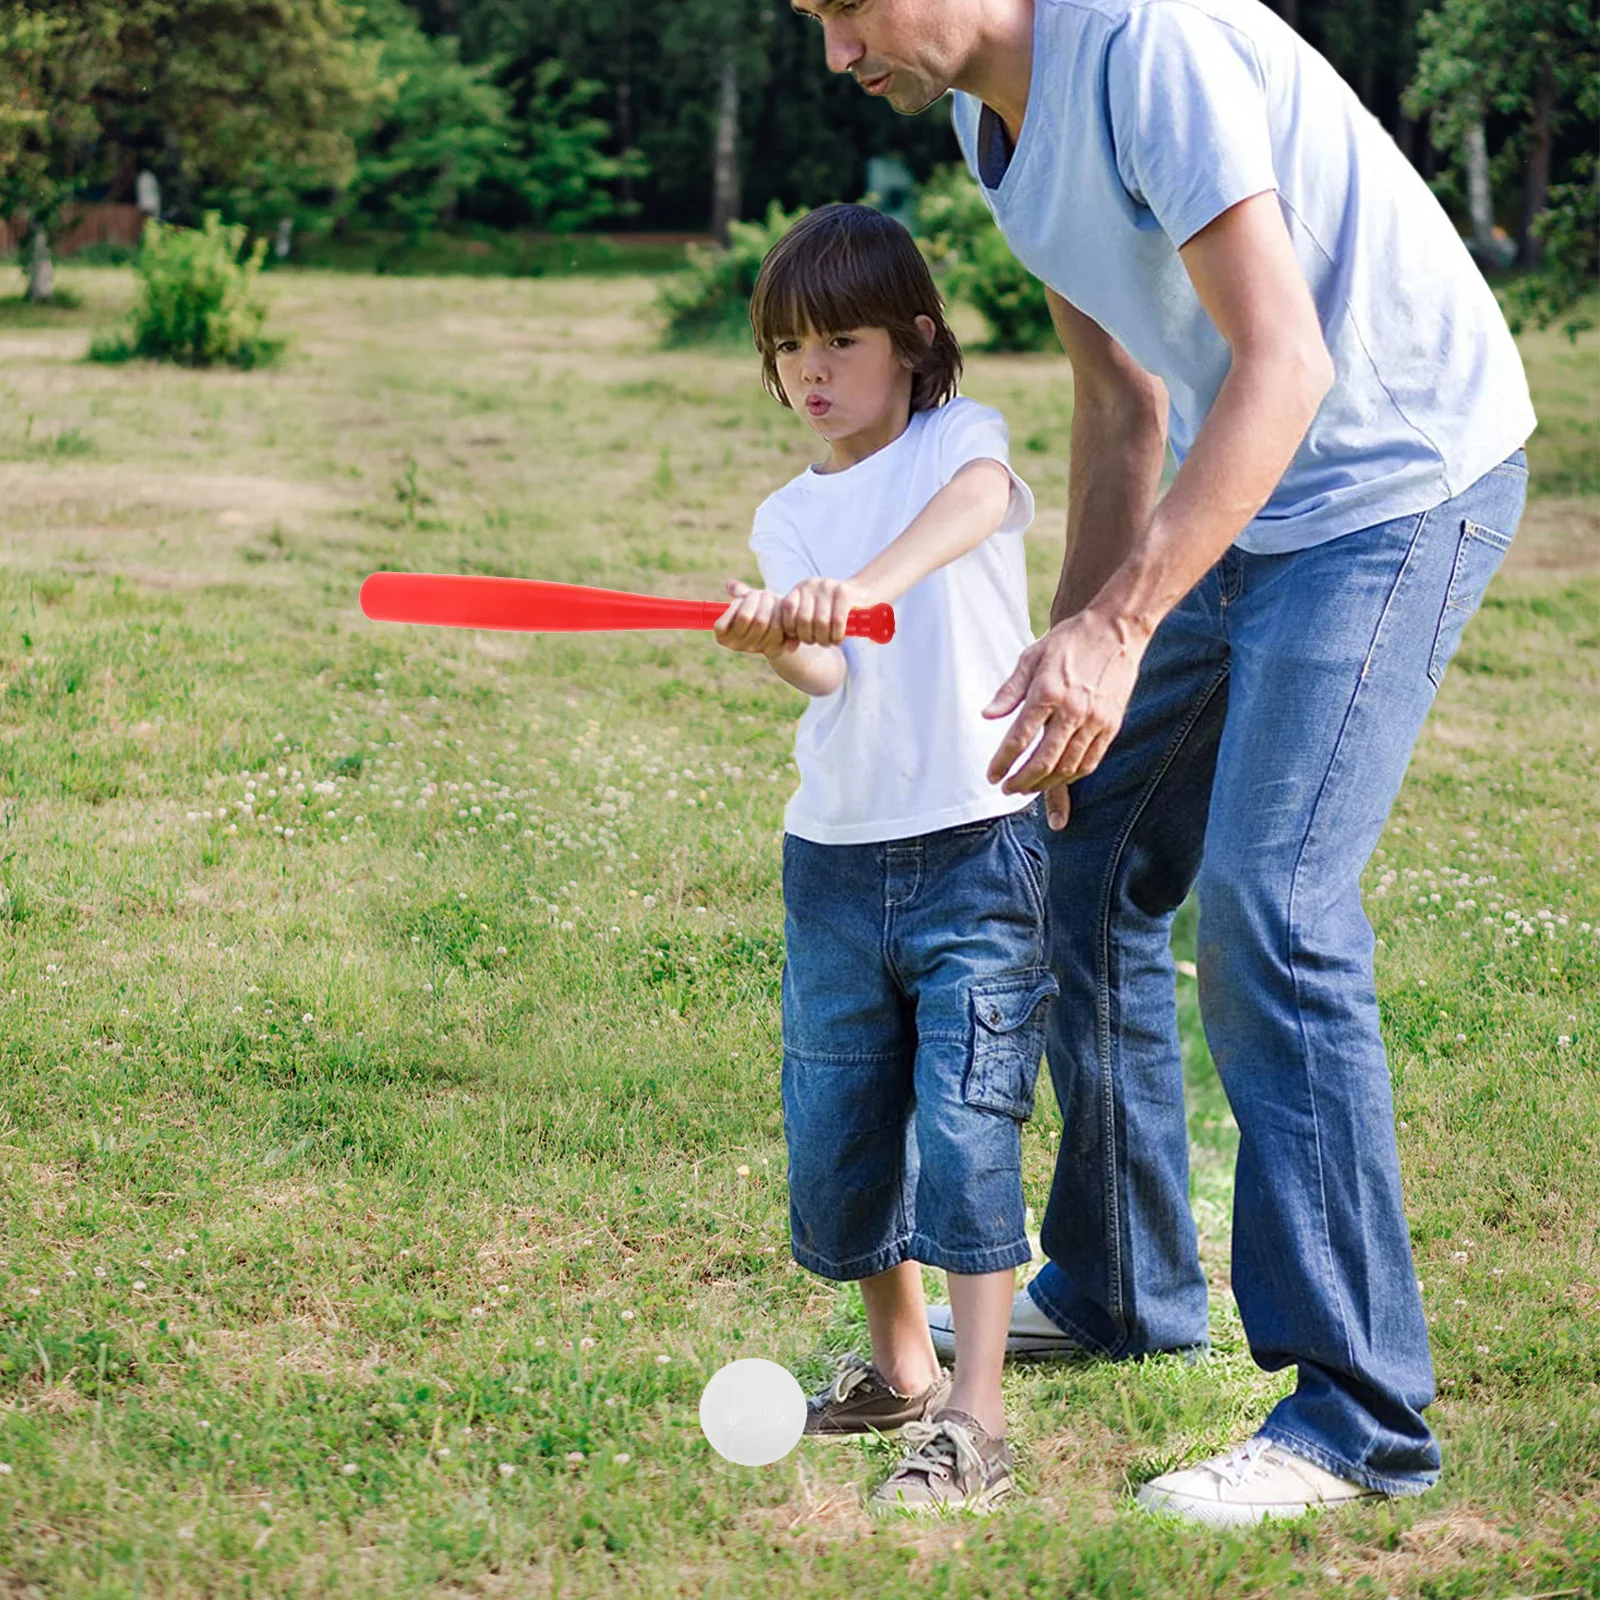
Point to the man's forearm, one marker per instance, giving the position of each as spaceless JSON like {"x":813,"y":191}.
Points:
{"x":1260,"y":416}
{"x":1112,"y":482}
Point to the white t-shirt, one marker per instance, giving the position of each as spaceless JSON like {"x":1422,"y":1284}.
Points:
{"x":900,"y":748}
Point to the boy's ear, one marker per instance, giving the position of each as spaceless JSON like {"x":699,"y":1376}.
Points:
{"x":924,"y":326}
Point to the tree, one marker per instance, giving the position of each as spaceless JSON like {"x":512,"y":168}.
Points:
{"x":1536,"y":62}
{"x":50,"y":64}
{"x":202,"y":90}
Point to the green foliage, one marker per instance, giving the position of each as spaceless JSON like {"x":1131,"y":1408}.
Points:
{"x":1483,"y":57}
{"x":710,"y":300}
{"x":198,"y":302}
{"x":967,"y":249}
{"x":1570,"y":229}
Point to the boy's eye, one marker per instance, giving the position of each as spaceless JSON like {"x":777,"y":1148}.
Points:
{"x":843,"y":341}
{"x":786,"y":347}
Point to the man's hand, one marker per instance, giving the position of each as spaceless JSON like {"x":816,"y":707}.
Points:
{"x":1073,"y":686}
{"x":750,"y":624}
{"x":815,"y":612}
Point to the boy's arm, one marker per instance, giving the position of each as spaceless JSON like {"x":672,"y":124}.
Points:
{"x":965,"y":512}
{"x":750,"y":626}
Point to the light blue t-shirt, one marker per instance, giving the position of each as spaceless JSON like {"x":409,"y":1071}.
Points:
{"x":1146,"y":120}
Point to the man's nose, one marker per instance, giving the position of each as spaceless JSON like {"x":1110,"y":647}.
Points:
{"x":841,"y":47}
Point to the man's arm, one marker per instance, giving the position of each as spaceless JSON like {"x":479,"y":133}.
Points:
{"x":1119,"y":438}
{"x":965,"y":512}
{"x":1073,"y":686}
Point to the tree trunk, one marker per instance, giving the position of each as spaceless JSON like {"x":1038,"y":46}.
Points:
{"x":1541,"y":130}
{"x":1479,"y":204}
{"x":725,"y":161}
{"x":625,"y":103}
{"x":41,"y":270}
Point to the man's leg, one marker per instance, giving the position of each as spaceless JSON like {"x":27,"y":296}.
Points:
{"x":1335,"y":656}
{"x":1123,"y":1276}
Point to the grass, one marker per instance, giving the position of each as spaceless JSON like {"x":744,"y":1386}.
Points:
{"x":388,"y":1018}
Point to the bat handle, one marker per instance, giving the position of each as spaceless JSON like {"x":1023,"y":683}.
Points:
{"x":871,"y":622}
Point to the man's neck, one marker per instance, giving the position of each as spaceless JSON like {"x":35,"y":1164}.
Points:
{"x":1001,"y":68}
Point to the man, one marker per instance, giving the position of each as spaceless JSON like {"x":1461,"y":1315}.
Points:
{"x":1238,"y":259}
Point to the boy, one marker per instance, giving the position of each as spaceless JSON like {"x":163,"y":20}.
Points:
{"x":915,"y":983}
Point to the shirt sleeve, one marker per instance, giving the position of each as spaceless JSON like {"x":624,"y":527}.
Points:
{"x":978,"y":433}
{"x":781,"y":557}
{"x":1188,"y":115}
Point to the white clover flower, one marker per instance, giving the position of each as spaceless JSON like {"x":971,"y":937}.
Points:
{"x":505,"y":1469}
{"x":621,"y":1459}
{"x":349,"y":1469}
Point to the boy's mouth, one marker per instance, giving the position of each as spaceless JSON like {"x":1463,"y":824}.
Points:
{"x":817,"y":406}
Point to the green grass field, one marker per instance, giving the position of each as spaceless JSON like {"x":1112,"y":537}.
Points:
{"x":389,"y":1126}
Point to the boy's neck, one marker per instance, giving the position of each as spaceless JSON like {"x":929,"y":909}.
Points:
{"x":854,"y":448}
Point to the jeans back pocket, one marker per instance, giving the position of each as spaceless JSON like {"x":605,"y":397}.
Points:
{"x":1008,"y":1018}
{"x":1479,"y":552}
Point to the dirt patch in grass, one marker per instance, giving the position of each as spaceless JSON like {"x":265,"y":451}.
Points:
{"x":239,"y":500}
{"x":1557,"y":537}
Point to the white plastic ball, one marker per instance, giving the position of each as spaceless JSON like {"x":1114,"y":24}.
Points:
{"x":753,"y":1412}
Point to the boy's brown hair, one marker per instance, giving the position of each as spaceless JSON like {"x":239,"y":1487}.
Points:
{"x":845,"y":266}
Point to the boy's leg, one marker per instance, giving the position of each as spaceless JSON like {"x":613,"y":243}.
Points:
{"x":982,"y":1306}
{"x":1123,"y":1273}
{"x":1337,"y":652}
{"x":897,"y":1322}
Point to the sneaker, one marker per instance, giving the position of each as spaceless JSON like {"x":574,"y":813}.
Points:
{"x":861,"y":1400}
{"x":952,"y":1465}
{"x":1032,"y":1336}
{"x":1260,"y":1479}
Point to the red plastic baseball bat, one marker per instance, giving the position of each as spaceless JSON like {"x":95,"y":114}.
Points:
{"x":524,"y":605}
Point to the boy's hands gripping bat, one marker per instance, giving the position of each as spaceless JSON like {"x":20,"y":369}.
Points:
{"x":524,"y":605}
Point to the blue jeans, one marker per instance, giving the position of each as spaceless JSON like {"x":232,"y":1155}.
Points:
{"x":1273,"y":720}
{"x":914,"y":996}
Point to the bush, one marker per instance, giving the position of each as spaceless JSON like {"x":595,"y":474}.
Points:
{"x":710,"y":301}
{"x":198,"y":302}
{"x":970,"y":254}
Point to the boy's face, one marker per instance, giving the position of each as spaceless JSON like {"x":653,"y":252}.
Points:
{"x":908,"y":51}
{"x":846,"y":383}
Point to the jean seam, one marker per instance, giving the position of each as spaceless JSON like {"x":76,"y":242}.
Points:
{"x":1103,"y":999}
{"x":1291,"y":934}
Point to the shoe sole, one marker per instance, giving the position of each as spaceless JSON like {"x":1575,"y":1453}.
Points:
{"x":1217,"y":1514}
{"x":1028,"y":1347}
{"x":982,"y":1506}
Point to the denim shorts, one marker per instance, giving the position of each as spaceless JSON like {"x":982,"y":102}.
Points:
{"x":915,"y":989}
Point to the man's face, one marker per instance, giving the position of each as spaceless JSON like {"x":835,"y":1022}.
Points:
{"x":908,"y":51}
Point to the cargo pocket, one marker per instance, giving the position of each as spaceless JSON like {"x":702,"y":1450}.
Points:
{"x":1478,"y":555}
{"x":1008,"y":1016}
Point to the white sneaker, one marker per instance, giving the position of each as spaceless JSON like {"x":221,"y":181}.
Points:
{"x":1260,"y":1479}
{"x":1032,"y":1336}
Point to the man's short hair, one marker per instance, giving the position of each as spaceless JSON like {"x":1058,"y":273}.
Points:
{"x":847,"y":266}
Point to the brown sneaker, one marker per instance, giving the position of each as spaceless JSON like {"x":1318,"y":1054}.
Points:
{"x":861,"y":1400}
{"x":952,"y":1465}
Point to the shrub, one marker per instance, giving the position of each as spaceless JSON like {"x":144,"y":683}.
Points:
{"x":970,"y":254}
{"x":710,"y":300}
{"x":198,"y":301}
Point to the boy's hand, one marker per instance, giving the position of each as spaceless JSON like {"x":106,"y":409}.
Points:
{"x":750,"y":624}
{"x":815,"y":612}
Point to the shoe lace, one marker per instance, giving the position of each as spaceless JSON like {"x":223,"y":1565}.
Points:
{"x":852,"y":1373}
{"x":940,"y":1445}
{"x":1238,"y":1464}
